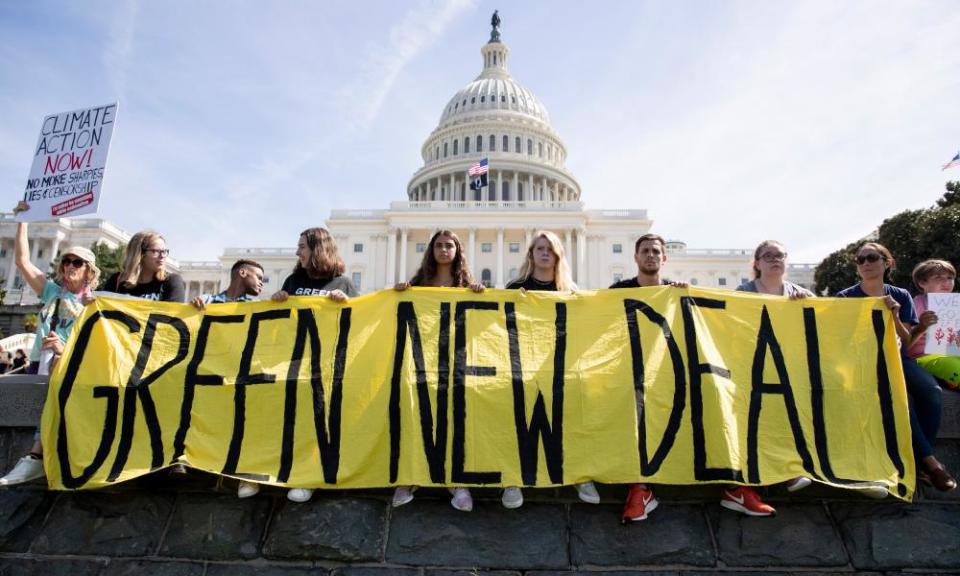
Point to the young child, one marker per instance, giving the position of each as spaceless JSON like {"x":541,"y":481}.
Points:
{"x":933,"y":277}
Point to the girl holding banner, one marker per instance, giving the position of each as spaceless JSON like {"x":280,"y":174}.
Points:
{"x":443,"y":266}
{"x":62,"y":301}
{"x":545,"y":268}
{"x":144,"y":272}
{"x":318,"y":272}
{"x":873,"y":263}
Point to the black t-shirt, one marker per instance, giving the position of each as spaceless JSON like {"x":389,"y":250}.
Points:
{"x":169,"y":290}
{"x":532,"y":283}
{"x":301,"y":284}
{"x":633,"y":283}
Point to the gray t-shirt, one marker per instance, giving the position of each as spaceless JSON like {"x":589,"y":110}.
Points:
{"x":789,"y":289}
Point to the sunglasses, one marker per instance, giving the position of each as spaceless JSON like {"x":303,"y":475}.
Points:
{"x":75,"y":262}
{"x":774,"y":257}
{"x":871,"y":258}
{"x":158,"y":251}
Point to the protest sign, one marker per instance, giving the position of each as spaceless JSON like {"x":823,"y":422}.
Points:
{"x":944,"y":336}
{"x":68,"y":164}
{"x":436,"y":387}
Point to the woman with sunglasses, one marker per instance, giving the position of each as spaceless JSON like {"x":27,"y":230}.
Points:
{"x":61,"y":302}
{"x":144,"y":272}
{"x":874,"y":262}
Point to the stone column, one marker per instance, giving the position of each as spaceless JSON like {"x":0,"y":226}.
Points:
{"x":499,"y":276}
{"x":403,"y":255}
{"x":514,"y":188}
{"x":11,"y":269}
{"x":527,"y":236}
{"x":568,"y":245}
{"x":452,"y":184}
{"x":581,"y":256}
{"x":56,"y":244}
{"x":391,"y":256}
{"x":472,"y":247}
{"x":529,"y":187}
{"x":499,"y":184}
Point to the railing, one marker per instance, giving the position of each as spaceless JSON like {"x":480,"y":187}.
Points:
{"x":497,"y":205}
{"x":235,"y":252}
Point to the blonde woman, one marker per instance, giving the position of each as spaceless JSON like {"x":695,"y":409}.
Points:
{"x":545,"y":268}
{"x":144,"y":272}
{"x":62,"y":300}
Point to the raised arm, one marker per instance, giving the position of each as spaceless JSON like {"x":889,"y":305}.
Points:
{"x":34,"y":277}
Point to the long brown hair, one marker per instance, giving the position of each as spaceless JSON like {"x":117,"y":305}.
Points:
{"x":459,"y":268}
{"x":133,"y":258}
{"x":756,"y":255}
{"x":325,"y":260}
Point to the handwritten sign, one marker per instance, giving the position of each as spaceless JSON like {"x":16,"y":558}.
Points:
{"x":944,"y":336}
{"x":68,"y":163}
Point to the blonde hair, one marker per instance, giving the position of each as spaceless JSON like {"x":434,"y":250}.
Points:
{"x":133,"y":259}
{"x":561,"y":270}
{"x":91,"y":278}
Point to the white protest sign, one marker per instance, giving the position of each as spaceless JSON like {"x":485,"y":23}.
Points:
{"x":68,"y":163}
{"x":944,"y":336}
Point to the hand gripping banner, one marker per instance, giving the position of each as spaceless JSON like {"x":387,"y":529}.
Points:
{"x":436,"y":387}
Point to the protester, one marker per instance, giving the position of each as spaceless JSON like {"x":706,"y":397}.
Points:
{"x":20,"y":361}
{"x":874,"y":262}
{"x":650,"y":254}
{"x":933,"y":277}
{"x":443,"y":266}
{"x":144,"y":272}
{"x":545,"y":268}
{"x":318,"y":272}
{"x":769,"y":271}
{"x":62,"y":300}
{"x":6,"y":361}
{"x":246,"y":283}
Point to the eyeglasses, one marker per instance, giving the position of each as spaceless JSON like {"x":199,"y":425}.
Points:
{"x":75,"y":262}
{"x":871,"y":258}
{"x":774,"y":257}
{"x":158,"y":251}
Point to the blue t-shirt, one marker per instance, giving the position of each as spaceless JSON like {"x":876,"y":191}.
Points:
{"x":70,"y":308}
{"x":222,"y":298}
{"x":908,"y":314}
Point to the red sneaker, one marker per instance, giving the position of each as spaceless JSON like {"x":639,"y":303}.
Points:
{"x":640,"y":502}
{"x":746,"y":501}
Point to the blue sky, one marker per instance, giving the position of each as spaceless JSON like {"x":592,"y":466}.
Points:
{"x":242,"y":123}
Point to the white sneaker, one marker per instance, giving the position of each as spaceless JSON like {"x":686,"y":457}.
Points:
{"x":512,"y":498}
{"x":299,"y":494}
{"x":587,"y":492}
{"x":247,"y":489}
{"x":403,"y":495}
{"x":462,"y":500}
{"x":28,"y":468}
{"x":798,"y":483}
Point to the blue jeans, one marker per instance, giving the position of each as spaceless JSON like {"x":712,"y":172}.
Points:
{"x":926,"y":400}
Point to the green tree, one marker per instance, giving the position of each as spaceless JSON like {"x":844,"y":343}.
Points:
{"x":109,"y":260}
{"x":912,"y":236}
{"x":837,"y":271}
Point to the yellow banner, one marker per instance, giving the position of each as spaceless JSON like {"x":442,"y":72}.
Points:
{"x":448,"y":387}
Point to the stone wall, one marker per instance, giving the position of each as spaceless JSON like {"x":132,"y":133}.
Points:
{"x":159,"y":525}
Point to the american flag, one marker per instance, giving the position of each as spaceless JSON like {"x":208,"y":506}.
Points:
{"x":954,"y":162}
{"x":478,"y":168}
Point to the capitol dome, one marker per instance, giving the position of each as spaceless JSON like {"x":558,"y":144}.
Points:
{"x":497,"y":118}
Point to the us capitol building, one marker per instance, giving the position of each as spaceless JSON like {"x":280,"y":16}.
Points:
{"x":529,"y":189}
